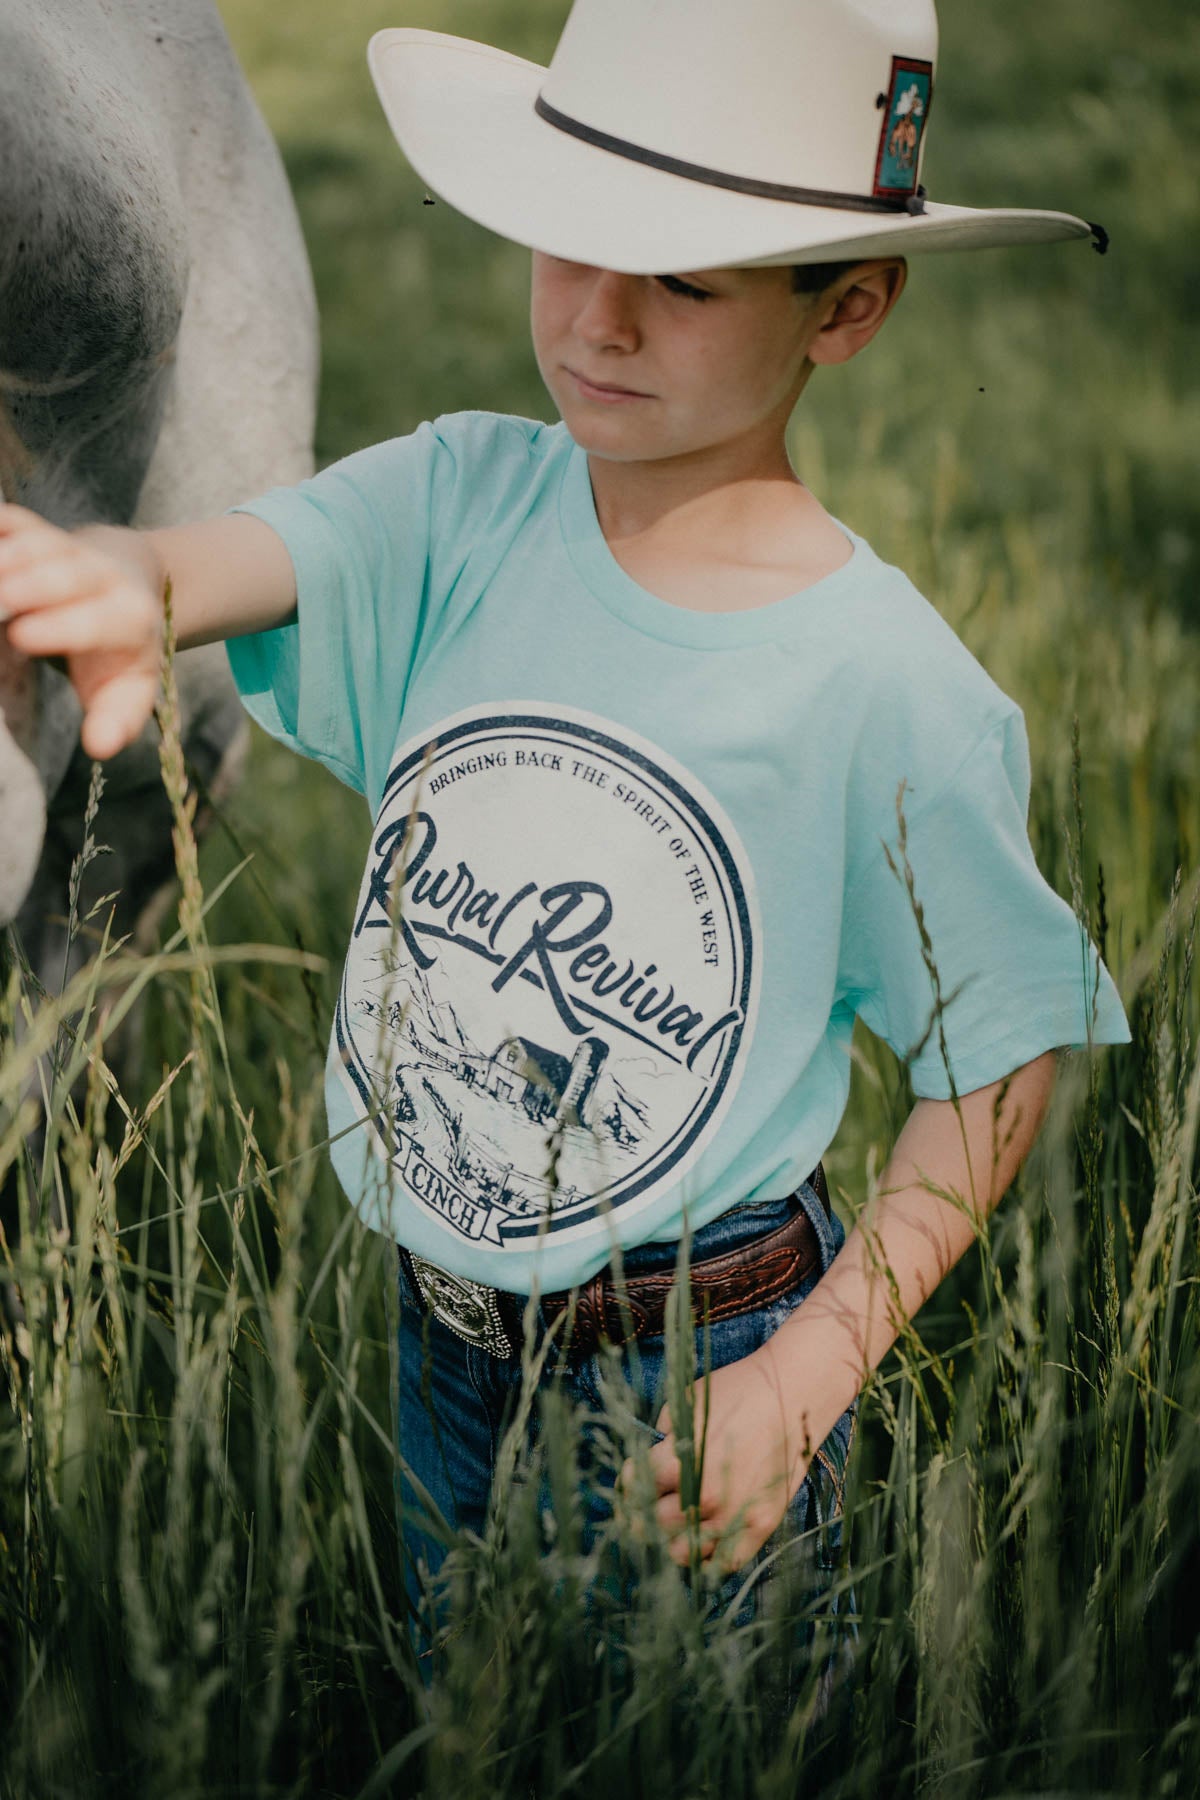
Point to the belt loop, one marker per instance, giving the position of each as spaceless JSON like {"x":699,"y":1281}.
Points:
{"x":591,"y":1309}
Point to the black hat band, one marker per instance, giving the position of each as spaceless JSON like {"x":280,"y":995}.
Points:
{"x":738,"y":184}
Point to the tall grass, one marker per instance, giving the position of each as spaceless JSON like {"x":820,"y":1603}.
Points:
{"x":201,"y":1584}
{"x":200,"y":1570}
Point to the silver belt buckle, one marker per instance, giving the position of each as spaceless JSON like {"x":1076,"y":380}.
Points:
{"x":467,"y":1308}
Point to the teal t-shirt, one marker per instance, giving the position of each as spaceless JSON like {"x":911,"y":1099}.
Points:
{"x":628,"y":884}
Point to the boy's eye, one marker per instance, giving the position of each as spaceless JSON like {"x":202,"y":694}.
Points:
{"x":674,"y":285}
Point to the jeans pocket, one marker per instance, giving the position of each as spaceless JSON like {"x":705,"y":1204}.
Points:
{"x":621,"y":1391}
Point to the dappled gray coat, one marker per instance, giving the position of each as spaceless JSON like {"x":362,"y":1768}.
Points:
{"x":158,"y":359}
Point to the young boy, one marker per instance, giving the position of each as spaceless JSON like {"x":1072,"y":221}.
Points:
{"x":633,"y":714}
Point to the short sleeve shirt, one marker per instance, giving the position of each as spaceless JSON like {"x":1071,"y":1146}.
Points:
{"x":636,"y":868}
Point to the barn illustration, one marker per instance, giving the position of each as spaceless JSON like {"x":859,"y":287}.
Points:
{"x":545,"y":1084}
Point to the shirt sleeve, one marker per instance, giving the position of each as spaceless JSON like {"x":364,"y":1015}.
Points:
{"x":1017,"y":972}
{"x":331,"y":683}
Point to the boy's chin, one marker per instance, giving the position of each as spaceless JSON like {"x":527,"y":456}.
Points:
{"x":593,"y":443}
{"x":609,"y":444}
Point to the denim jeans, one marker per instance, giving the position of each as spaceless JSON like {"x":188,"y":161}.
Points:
{"x":456,"y":1401}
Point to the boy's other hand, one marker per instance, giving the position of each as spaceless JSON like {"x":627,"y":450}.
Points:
{"x":63,"y":595}
{"x":755,"y":1457}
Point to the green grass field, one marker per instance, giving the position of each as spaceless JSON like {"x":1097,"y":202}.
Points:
{"x":199,"y":1581}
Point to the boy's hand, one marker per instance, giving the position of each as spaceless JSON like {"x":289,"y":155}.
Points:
{"x":63,"y":596}
{"x":755,"y":1458}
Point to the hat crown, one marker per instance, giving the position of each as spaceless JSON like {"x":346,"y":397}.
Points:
{"x":672,"y":77}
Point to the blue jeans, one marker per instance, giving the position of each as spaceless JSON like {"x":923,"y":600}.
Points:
{"x":456,"y":1402}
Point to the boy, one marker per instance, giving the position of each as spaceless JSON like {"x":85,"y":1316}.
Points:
{"x":633,"y":714}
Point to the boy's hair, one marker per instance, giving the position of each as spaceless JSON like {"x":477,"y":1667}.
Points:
{"x":814,"y":278}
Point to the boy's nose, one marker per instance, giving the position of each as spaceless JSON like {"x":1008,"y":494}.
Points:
{"x":608,"y":312}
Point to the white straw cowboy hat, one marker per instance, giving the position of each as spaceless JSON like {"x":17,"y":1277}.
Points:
{"x":692,"y":134}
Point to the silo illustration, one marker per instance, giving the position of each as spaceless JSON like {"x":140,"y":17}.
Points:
{"x":588,"y":1061}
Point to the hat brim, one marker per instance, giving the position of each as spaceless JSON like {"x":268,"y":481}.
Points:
{"x":463,"y":114}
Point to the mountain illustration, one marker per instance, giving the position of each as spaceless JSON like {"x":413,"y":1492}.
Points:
{"x":413,"y":1014}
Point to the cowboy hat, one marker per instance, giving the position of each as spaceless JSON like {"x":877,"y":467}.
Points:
{"x":692,"y":134}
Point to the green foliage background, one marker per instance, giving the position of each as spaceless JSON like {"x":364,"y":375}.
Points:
{"x":199,"y":1589}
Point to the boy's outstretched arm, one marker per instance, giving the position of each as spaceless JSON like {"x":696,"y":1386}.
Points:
{"x":94,"y":596}
{"x":770,"y":1411}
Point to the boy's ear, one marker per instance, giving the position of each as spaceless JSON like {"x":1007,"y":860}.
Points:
{"x":855,"y":308}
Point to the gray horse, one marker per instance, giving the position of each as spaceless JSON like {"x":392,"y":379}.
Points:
{"x":158,"y":361}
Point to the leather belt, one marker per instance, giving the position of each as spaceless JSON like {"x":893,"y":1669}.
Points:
{"x":723,"y":1286}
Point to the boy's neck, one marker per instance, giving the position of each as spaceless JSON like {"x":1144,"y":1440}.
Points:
{"x":717,"y":530}
{"x":682,"y":492}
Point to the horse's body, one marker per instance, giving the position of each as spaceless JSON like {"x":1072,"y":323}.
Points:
{"x":158,"y":358}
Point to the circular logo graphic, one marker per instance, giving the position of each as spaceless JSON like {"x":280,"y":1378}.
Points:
{"x":552,"y":979}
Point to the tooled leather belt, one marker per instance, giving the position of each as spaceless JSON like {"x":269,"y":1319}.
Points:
{"x":721,"y":1287}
